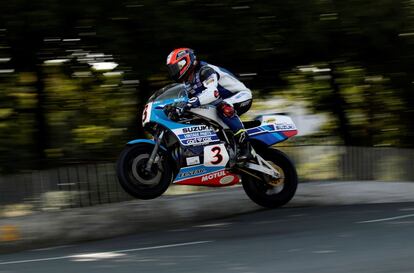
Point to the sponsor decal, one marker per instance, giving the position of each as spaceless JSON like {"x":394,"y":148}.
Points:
{"x":198,"y":134}
{"x":270,"y":120}
{"x":194,"y":160}
{"x":195,"y":129}
{"x":197,"y":140}
{"x":284,"y":127}
{"x":227,"y":180}
{"x":213,"y":176}
{"x":209,"y":80}
{"x":191,"y":173}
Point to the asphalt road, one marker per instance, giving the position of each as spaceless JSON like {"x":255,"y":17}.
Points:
{"x":355,"y":238}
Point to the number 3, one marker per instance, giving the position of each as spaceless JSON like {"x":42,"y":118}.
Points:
{"x":218,"y":157}
{"x":215,"y":155}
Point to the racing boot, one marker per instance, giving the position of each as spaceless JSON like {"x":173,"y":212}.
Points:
{"x":243,"y":145}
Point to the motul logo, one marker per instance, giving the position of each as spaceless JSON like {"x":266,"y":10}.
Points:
{"x":213,"y":175}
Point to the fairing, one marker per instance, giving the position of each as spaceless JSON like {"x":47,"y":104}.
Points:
{"x":203,"y":158}
{"x":273,"y":129}
{"x":200,"y":145}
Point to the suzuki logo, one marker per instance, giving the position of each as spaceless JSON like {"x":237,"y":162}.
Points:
{"x":195,"y":129}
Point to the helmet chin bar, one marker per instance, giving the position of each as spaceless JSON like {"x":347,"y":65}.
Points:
{"x":188,"y":76}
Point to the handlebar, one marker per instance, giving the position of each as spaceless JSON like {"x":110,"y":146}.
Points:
{"x":172,"y":112}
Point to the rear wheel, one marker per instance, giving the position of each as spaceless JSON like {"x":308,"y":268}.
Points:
{"x":133,"y":177}
{"x":269,"y":192}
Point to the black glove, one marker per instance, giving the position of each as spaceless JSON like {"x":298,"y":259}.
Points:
{"x":180,"y":107}
{"x":174,"y":111}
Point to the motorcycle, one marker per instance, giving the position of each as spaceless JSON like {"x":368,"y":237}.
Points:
{"x":197,"y":148}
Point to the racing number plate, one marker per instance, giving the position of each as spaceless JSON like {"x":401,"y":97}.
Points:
{"x":146,"y":114}
{"x":215,"y":155}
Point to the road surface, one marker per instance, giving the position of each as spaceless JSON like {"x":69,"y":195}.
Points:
{"x":355,"y":238}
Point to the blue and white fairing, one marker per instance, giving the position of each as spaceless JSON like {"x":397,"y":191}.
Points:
{"x":273,"y":129}
{"x":206,"y":157}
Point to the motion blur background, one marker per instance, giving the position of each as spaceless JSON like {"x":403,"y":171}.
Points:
{"x":75,"y":74}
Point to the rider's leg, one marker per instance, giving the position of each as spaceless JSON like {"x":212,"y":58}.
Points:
{"x":229,"y":116}
{"x":229,"y":110}
{"x":241,"y":102}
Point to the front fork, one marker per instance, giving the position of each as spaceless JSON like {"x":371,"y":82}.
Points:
{"x":154,"y":154}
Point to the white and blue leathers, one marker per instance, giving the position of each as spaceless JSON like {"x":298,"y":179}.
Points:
{"x":214,"y":85}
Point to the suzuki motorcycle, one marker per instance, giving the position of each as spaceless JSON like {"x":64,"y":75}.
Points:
{"x":197,"y":148}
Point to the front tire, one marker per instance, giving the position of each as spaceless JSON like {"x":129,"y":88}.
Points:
{"x":272,"y":193}
{"x":135,"y":180}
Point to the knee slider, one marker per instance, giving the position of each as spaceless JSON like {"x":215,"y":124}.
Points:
{"x":226,"y":110}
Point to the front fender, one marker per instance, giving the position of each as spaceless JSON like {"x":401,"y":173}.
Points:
{"x":149,"y":141}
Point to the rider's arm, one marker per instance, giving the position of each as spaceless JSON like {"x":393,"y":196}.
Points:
{"x":209,"y":79}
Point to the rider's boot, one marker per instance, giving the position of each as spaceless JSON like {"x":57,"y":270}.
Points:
{"x":243,"y":144}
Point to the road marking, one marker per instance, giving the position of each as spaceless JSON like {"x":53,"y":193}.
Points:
{"x":323,"y":251}
{"x":402,"y":223}
{"x":213,"y":225}
{"x":295,"y":250}
{"x":297,"y":215}
{"x":386,"y":219}
{"x":103,"y":253}
{"x":50,"y":248}
{"x":89,"y":257}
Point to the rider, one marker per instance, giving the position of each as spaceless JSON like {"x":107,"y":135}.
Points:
{"x":209,"y":84}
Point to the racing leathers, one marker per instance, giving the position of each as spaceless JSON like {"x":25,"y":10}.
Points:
{"x":217,"y":86}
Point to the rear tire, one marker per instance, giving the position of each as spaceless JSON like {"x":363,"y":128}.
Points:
{"x":273,"y":194}
{"x":132,"y":176}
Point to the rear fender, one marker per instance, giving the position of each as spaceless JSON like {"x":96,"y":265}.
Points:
{"x":273,"y":129}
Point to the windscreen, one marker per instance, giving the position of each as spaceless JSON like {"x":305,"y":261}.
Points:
{"x":172,"y":91}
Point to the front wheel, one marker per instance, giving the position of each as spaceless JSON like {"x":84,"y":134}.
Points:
{"x":269,"y":192}
{"x":133,"y":177}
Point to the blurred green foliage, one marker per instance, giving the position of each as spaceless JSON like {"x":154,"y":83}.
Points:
{"x":351,"y":60}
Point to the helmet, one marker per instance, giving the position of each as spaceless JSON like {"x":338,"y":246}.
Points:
{"x":180,"y":63}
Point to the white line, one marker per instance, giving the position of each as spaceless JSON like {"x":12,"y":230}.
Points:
{"x":115,"y":251}
{"x":324,"y":251}
{"x":387,"y":219}
{"x":162,"y":246}
{"x":35,"y":260}
{"x":213,"y":225}
{"x":50,"y":248}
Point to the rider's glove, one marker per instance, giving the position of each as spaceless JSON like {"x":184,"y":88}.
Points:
{"x":181,"y":107}
{"x":193,"y":102}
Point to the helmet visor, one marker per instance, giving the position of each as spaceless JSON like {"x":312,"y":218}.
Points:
{"x":174,"y":71}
